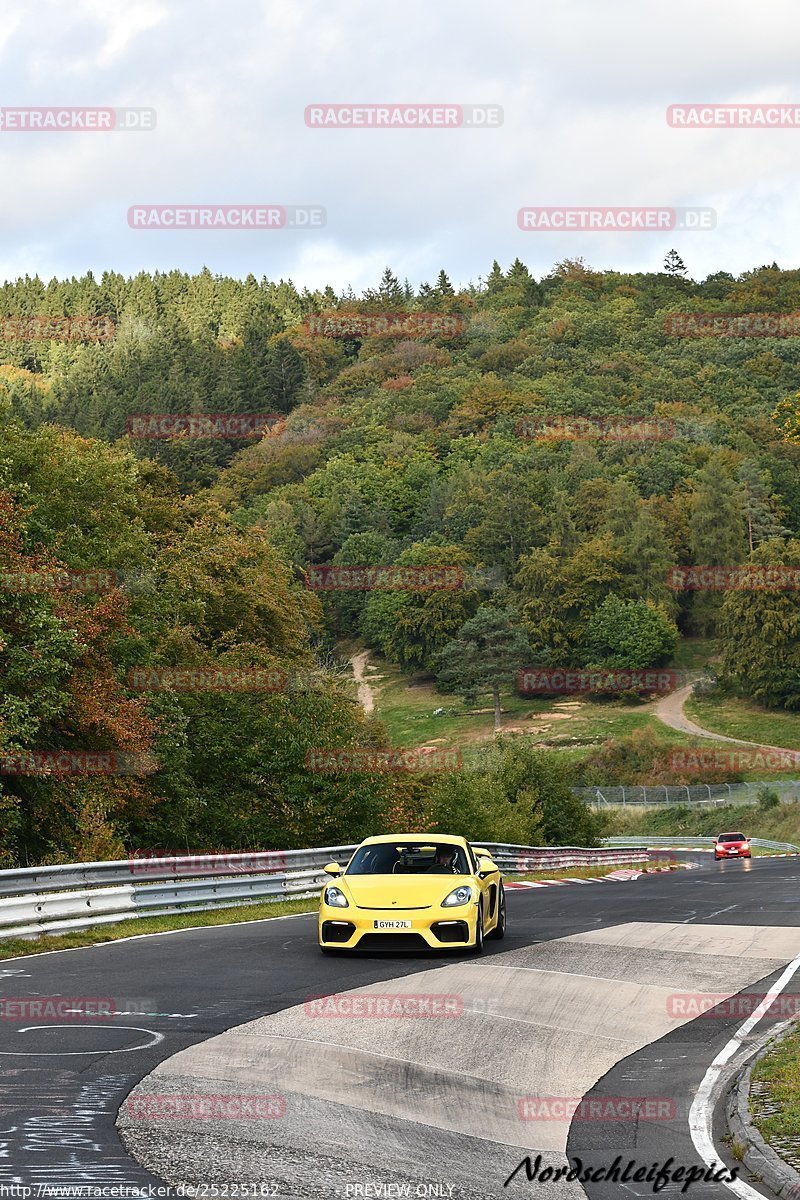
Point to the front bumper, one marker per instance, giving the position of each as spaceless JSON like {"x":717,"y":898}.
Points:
{"x":732,"y":854}
{"x":433,"y":928}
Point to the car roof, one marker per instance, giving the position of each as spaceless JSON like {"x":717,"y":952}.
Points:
{"x":414,"y":837}
{"x":733,"y":833}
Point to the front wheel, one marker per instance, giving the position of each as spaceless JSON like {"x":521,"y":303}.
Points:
{"x":499,"y":930}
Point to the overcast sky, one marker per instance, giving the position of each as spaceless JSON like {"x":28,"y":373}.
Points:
{"x":584,"y":86}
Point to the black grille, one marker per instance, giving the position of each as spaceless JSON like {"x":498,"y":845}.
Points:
{"x":385,"y":908}
{"x":450,"y":931}
{"x":393,"y":941}
{"x":333,"y":931}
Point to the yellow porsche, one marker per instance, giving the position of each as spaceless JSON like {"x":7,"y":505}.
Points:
{"x":413,"y":892}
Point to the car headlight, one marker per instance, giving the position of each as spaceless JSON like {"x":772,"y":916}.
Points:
{"x":459,"y":895}
{"x":336,"y":898}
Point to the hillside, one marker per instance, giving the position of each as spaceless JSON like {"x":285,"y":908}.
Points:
{"x":557,"y":449}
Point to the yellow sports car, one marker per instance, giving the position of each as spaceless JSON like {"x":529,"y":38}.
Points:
{"x":413,"y":891}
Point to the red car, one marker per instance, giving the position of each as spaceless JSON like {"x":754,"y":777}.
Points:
{"x":731,"y":845}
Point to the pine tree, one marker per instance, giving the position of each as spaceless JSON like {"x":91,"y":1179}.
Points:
{"x":485,"y":655}
{"x":622,"y":508}
{"x":443,"y":285}
{"x":759,"y":634}
{"x":763,"y":520}
{"x":390,"y":289}
{"x":495,"y":281}
{"x":674,"y":264}
{"x":718,"y":531}
{"x":563,"y":534}
{"x":648,"y":557}
{"x":717,"y":522}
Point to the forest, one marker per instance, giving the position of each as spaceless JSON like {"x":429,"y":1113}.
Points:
{"x":561,"y":448}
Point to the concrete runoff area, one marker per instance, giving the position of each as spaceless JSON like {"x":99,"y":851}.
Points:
{"x":436,"y":1101}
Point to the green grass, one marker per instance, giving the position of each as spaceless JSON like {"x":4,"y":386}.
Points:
{"x":572,"y":726}
{"x":406,"y":707}
{"x":776,"y":1080}
{"x":780,"y":824}
{"x":743,"y":719}
{"x":14,"y":947}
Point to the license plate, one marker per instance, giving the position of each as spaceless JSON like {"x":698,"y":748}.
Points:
{"x":391,"y":924}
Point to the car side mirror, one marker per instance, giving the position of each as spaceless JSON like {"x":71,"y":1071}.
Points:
{"x":479,"y":852}
{"x":332,"y":869}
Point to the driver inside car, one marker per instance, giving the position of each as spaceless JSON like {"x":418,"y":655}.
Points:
{"x":445,"y":861}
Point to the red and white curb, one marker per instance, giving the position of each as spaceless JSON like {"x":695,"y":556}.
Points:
{"x":623,"y":876}
{"x":614,"y":877}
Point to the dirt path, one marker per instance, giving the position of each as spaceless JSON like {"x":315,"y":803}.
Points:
{"x":669,"y":710}
{"x":365,"y":696}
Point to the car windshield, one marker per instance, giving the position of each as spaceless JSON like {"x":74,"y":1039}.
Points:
{"x":732,"y":837}
{"x":409,"y":858}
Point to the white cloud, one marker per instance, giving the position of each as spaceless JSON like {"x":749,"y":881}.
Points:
{"x":584,"y":88}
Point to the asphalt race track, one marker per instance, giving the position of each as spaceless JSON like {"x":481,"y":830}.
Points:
{"x":576,"y":1007}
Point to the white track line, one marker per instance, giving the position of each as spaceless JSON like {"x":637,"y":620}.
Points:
{"x":701,"y":1112}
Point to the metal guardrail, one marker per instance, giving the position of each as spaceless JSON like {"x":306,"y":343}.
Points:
{"x":157,"y":867}
{"x":701,"y":842}
{"x":63,"y":898}
{"x":698,"y":795}
{"x":524,"y":859}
